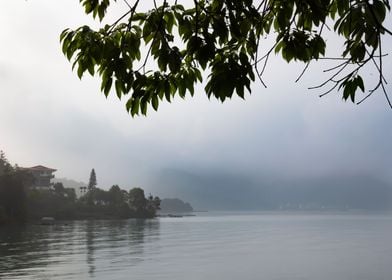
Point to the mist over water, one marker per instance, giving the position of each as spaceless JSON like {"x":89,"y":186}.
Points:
{"x":211,"y":246}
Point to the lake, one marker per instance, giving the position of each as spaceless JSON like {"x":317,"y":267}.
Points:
{"x":229,"y":246}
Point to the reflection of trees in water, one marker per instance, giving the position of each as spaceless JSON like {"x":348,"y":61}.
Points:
{"x":141,"y":231}
{"x":37,"y":251}
{"x":31,"y":247}
{"x":90,"y":231}
{"x":16,"y":243}
{"x":120,"y":242}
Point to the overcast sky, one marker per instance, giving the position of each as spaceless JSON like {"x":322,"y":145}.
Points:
{"x":49,"y":117}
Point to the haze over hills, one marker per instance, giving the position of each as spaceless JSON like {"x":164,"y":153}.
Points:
{"x":220,"y":191}
{"x":175,"y":205}
{"x":69,"y":183}
{"x":228,"y":191}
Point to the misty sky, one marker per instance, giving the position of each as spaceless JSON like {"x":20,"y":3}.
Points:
{"x":49,"y":117}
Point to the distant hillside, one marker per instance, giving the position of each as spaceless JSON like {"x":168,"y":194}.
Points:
{"x":225,"y":191}
{"x":175,"y":205}
{"x":69,"y":183}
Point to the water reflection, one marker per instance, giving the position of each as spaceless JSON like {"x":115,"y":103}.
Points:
{"x":23,"y":248}
{"x":120,"y":242}
{"x":74,"y":249}
{"x":90,"y":246}
{"x":228,"y":247}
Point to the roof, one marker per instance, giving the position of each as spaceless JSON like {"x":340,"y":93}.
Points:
{"x":40,"y":168}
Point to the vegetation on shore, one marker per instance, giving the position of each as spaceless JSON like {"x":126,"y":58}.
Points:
{"x":20,"y":203}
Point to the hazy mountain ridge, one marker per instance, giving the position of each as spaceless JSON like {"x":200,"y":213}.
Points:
{"x":175,"y":205}
{"x":220,"y":191}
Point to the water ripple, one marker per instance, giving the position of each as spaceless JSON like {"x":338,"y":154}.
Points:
{"x":317,"y":247}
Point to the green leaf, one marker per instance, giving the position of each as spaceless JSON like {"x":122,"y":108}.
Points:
{"x":90,"y":68}
{"x":279,"y":46}
{"x":119,"y":88}
{"x":80,"y":70}
{"x":167,"y":91}
{"x":135,"y":107}
{"x":64,"y":34}
{"x":379,"y":10}
{"x":240,"y":90}
{"x":174,"y":63}
{"x":198,"y":75}
{"x":143,"y":106}
{"x":170,"y":20}
{"x":181,"y":88}
{"x":108,"y":86}
{"x":155,"y":102}
{"x":139,"y":17}
{"x":360,"y":83}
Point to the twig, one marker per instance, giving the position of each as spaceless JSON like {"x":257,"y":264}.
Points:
{"x":303,"y":72}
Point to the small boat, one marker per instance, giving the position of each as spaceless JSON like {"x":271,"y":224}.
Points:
{"x":47,"y":221}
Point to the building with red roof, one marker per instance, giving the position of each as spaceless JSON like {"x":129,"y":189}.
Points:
{"x":42,"y":176}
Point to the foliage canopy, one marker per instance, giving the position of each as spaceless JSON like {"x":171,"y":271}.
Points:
{"x":153,"y":54}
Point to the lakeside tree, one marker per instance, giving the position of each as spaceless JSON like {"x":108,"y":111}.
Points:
{"x":153,"y":205}
{"x":66,"y":193}
{"x":59,"y":188}
{"x":59,"y":203}
{"x":5,"y":166}
{"x":12,"y":199}
{"x":19,"y":202}
{"x":117,"y":203}
{"x":141,"y":205}
{"x":151,"y":54}
{"x":12,"y":192}
{"x":117,"y":195}
{"x":92,"y":182}
{"x":137,"y":200}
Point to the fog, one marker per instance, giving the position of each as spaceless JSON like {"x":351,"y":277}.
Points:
{"x":214,"y":155}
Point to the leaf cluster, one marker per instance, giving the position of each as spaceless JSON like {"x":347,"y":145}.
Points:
{"x":223,"y":38}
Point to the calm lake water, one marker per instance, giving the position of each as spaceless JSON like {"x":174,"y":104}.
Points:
{"x":212,"y":246}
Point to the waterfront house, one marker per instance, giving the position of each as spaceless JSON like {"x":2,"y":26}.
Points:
{"x":42,"y":176}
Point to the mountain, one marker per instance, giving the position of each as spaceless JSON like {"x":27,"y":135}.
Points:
{"x":228,"y":191}
{"x":175,"y":205}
